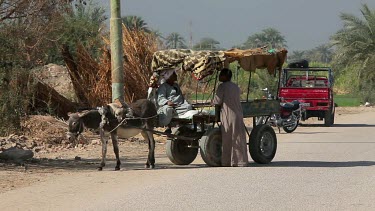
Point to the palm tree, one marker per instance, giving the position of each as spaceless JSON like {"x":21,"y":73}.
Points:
{"x":156,"y":33}
{"x":355,"y":45}
{"x":207,"y":43}
{"x":133,"y":22}
{"x":323,"y":53}
{"x":274,"y":38}
{"x":297,"y":55}
{"x":356,"y":41}
{"x":268,"y":37}
{"x":255,"y":41}
{"x":159,"y":37}
{"x":175,"y":40}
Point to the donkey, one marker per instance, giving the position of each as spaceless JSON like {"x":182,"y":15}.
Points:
{"x":144,"y":112}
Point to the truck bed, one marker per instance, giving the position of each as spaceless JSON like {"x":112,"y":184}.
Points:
{"x":311,"y":98}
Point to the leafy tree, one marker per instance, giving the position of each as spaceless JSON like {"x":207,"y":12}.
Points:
{"x":268,"y":37}
{"x":355,"y":44}
{"x":83,"y":25}
{"x":32,"y":32}
{"x":175,"y":40}
{"x":207,"y":43}
{"x":133,"y":22}
{"x":27,"y":28}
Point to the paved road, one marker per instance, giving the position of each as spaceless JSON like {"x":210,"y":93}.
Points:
{"x":316,"y":168}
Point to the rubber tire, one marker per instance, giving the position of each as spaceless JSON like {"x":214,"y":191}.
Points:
{"x":329,"y":118}
{"x":177,"y":150}
{"x":255,"y":144}
{"x":211,"y":147}
{"x":291,"y":130}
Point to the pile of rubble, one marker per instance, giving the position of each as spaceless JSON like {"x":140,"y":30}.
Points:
{"x":45,"y":129}
{"x":20,"y":147}
{"x":20,"y":142}
{"x":42,"y":134}
{"x":34,"y":144}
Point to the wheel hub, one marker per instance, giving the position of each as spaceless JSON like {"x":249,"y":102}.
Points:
{"x":266,"y":144}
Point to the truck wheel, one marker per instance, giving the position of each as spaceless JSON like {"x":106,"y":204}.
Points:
{"x":262,"y":144}
{"x":329,"y":118}
{"x":211,"y":147}
{"x":182,"y":152}
{"x":292,"y":128}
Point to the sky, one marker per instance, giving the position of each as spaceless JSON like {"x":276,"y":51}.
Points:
{"x":304,"y":23}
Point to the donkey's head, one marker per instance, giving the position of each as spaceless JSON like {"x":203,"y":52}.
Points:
{"x":75,"y":125}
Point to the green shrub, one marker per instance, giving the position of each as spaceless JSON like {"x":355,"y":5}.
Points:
{"x":15,"y":97}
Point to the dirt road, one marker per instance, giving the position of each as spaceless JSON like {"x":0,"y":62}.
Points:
{"x":315,"y":168}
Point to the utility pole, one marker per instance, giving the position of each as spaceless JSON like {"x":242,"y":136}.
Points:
{"x":116,"y":52}
{"x":190,"y":34}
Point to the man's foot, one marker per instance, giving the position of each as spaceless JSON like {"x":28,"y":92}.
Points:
{"x":168,"y":130}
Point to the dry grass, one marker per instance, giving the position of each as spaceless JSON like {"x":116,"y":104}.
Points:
{"x":92,"y":79}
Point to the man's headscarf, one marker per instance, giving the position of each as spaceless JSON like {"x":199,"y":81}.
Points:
{"x":166,"y":74}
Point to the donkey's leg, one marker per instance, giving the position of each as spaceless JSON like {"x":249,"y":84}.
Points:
{"x":145,"y":136}
{"x":104,"y":140}
{"x":116,"y":150}
{"x":151,"y":147}
{"x":148,"y":136}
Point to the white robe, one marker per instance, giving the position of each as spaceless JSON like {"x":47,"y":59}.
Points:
{"x":232,"y":126}
{"x":173,"y":93}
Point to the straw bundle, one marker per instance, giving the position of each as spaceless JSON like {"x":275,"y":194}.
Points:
{"x":139,"y":47}
{"x":92,"y":79}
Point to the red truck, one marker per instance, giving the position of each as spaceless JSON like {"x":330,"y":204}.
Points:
{"x":312,"y":87}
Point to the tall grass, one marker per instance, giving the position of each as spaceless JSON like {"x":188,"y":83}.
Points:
{"x":347,"y":100}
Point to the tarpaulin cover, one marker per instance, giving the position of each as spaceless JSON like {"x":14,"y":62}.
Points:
{"x":204,"y":63}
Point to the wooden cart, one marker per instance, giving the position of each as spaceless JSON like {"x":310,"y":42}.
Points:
{"x":202,"y":131}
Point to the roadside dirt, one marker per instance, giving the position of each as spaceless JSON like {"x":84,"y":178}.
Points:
{"x":62,"y":158}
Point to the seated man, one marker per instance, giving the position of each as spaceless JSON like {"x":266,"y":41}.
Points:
{"x":170,"y":100}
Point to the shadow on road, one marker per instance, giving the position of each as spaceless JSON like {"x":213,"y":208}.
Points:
{"x":132,"y":163}
{"x":319,"y":164}
{"x":330,"y":142}
{"x":297,"y":132}
{"x":352,"y":125}
{"x":337,"y":125}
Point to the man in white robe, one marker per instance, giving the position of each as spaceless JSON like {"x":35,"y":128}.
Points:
{"x":170,"y":100}
{"x":231,"y":117}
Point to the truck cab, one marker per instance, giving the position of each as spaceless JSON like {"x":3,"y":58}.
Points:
{"x":312,"y":86}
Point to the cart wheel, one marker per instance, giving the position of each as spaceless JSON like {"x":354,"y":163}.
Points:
{"x":182,"y":152}
{"x":210,"y":145}
{"x":262,"y":144}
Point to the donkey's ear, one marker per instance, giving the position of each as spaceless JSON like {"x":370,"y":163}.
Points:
{"x":83,"y":113}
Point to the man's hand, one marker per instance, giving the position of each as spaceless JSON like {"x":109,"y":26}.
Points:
{"x":170,"y":103}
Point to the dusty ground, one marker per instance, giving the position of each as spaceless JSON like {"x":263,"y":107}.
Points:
{"x":60,"y":159}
